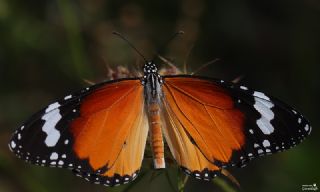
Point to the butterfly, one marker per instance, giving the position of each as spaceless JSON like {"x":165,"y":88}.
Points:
{"x":100,"y":132}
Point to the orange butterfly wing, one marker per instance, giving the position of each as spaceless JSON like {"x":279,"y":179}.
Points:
{"x":212,"y":124}
{"x":204,"y":128}
{"x":111,"y":132}
{"x":182,"y":147}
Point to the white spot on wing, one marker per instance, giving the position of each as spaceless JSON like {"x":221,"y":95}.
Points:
{"x":54,"y":156}
{"x":306,"y":127}
{"x":60,"y":162}
{"x":52,"y":107}
{"x":266,"y":143}
{"x":67,"y":97}
{"x":53,"y":163}
{"x":261,"y":95}
{"x":49,"y":127}
{"x":243,"y":87}
{"x":265,"y":126}
{"x":13,"y":144}
{"x":264,"y":108}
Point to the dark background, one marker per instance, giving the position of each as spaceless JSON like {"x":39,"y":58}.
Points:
{"x":48,"y":47}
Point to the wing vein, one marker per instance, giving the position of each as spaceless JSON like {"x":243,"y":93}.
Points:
{"x":187,"y":119}
{"x":214,"y":122}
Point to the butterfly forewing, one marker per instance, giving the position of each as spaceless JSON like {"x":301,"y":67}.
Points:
{"x":228,"y":123}
{"x":93,"y":132}
{"x":271,"y":125}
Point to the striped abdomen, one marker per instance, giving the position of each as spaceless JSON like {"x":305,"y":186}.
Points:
{"x":156,"y":135}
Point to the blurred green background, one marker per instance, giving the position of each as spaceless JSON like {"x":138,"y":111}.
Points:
{"x":48,"y":47}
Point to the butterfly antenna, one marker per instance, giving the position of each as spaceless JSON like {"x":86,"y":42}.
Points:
{"x":185,"y":70}
{"x":130,"y":44}
{"x":166,"y":44}
{"x":238,"y":79}
{"x":167,"y":61}
{"x":204,"y":65}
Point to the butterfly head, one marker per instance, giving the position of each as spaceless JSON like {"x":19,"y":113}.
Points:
{"x":150,"y":71}
{"x":149,"y":68}
{"x":151,"y":79}
{"x":151,"y":74}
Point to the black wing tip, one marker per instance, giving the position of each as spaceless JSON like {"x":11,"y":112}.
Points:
{"x":113,"y":181}
{"x":242,"y":159}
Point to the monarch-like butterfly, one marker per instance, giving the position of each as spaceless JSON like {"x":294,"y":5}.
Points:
{"x":100,"y":132}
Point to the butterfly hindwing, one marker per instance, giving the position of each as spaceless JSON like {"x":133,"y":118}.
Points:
{"x":94,"y":132}
{"x":184,"y":151}
{"x":228,"y":123}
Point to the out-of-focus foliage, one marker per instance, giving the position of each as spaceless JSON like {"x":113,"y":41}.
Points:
{"x":48,"y":47}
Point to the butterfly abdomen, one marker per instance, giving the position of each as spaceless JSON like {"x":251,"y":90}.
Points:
{"x":156,"y":138}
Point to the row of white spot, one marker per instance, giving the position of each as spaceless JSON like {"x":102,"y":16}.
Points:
{"x":100,"y":179}
{"x":265,"y":144}
{"x":54,"y":157}
{"x":205,"y":175}
{"x":26,"y":156}
{"x":12,"y":144}
{"x":263,"y":148}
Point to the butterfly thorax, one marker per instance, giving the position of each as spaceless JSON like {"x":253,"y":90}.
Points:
{"x":152,"y":82}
